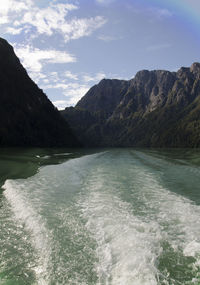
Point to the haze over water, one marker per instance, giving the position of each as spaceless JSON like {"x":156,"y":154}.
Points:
{"x":112,"y":217}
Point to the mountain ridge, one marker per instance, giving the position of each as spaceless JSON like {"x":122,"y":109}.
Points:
{"x":27,"y":117}
{"x":156,"y":108}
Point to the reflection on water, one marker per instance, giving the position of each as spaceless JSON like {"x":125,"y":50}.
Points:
{"x":24,"y":162}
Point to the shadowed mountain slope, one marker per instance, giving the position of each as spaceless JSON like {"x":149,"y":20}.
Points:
{"x":154,"y":109}
{"x":27,"y":117}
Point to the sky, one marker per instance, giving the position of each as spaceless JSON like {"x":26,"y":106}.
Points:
{"x":67,"y":46}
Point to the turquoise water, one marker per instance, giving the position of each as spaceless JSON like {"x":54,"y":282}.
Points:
{"x":112,"y":217}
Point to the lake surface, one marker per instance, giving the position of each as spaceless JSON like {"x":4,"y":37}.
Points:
{"x":112,"y":216}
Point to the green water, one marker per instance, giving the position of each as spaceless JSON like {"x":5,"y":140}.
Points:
{"x":106,"y":217}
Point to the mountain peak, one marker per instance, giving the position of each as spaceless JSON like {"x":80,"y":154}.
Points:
{"x":142,"y":74}
{"x":195,"y":67}
{"x":27,"y":116}
{"x":155,"y":108}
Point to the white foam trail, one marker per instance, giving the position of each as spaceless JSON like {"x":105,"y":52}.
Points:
{"x":60,"y":154}
{"x":128,"y":236}
{"x":128,"y":244}
{"x":180,"y":214}
{"x":34,"y":201}
{"x":127,"y":247}
{"x":46,"y":157}
{"x":26,"y":216}
{"x":177,"y":217}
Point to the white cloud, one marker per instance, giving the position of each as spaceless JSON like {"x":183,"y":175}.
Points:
{"x":33,"y":58}
{"x":72,"y":86}
{"x":48,"y":20}
{"x":106,"y":38}
{"x":37,"y":76}
{"x":165,"y":13}
{"x":13,"y":31}
{"x":3,"y":19}
{"x":56,"y":86}
{"x":8,"y":6}
{"x":105,"y":2}
{"x":78,"y":28}
{"x":158,"y":47}
{"x":25,"y":15}
{"x":46,"y":81}
{"x":60,"y":104}
{"x":161,"y":13}
{"x":70,"y":75}
{"x":73,"y":92}
{"x":97,"y":77}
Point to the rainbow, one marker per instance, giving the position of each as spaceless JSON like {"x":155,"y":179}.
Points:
{"x":184,"y":10}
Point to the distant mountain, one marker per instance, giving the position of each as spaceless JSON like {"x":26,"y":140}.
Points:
{"x":154,"y":109}
{"x":27,"y":117}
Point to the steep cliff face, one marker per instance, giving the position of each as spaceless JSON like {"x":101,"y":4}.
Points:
{"x":104,"y":97}
{"x":27,"y":117}
{"x":156,"y":108}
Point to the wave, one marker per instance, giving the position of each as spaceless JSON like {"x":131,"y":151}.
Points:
{"x":109,"y":219}
{"x":27,"y":217}
{"x":139,"y":233}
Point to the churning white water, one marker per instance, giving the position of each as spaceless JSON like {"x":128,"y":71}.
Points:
{"x":119,"y":217}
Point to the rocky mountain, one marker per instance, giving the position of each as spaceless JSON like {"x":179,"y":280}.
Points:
{"x":154,"y":109}
{"x":27,"y":117}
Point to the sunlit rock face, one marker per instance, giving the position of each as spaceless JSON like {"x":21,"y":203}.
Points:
{"x":156,"y":108}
